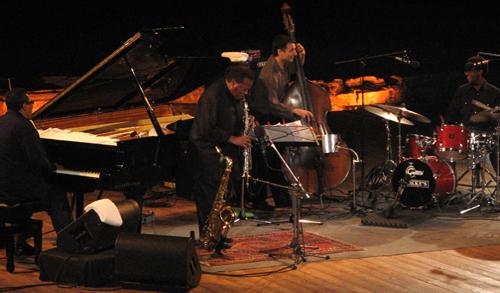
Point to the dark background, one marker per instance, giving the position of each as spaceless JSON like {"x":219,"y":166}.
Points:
{"x":68,"y":38}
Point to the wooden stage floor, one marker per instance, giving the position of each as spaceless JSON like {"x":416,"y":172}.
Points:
{"x":470,"y":269}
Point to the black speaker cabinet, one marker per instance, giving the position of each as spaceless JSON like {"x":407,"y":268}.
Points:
{"x":155,"y":259}
{"x":87,"y":235}
{"x":95,"y":270}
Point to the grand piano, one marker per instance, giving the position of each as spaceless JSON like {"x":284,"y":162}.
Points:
{"x":101,"y":131}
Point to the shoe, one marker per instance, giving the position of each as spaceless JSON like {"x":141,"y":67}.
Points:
{"x":24,"y":249}
{"x":228,"y":240}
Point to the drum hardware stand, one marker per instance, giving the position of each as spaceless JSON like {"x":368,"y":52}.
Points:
{"x":400,"y":152}
{"x":478,"y":180}
{"x":497,"y":170}
{"x":363,"y":63}
{"x":389,"y":212}
{"x":381,"y":178}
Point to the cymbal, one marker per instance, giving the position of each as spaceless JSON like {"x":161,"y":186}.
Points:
{"x":405,"y":113}
{"x":387,"y":115}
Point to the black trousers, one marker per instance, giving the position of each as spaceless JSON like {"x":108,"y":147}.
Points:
{"x":267,"y":166}
{"x":55,"y":203}
{"x":51,"y":199}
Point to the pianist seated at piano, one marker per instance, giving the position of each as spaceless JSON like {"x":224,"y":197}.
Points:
{"x":24,"y":166}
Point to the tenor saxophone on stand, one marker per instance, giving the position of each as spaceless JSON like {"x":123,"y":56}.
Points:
{"x":221,"y":216}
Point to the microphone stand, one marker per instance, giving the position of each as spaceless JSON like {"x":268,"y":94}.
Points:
{"x":363,"y":63}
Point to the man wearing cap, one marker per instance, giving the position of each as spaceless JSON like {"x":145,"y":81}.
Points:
{"x":477,"y":88}
{"x":24,"y":164}
{"x":461,"y":109}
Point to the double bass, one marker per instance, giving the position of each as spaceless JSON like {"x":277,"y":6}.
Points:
{"x":318,"y":173}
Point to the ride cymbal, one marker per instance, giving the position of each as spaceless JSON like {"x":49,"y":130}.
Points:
{"x":387,"y":115}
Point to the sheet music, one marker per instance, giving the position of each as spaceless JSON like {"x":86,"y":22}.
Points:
{"x":76,"y":136}
{"x":292,"y":132}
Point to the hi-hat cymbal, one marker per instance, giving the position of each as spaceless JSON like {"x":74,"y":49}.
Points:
{"x":387,"y":115}
{"x":405,"y":113}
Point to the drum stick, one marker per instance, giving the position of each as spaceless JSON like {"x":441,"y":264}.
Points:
{"x":481,"y":105}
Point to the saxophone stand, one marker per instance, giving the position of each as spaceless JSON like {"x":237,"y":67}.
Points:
{"x":245,"y":184}
{"x":297,"y":246}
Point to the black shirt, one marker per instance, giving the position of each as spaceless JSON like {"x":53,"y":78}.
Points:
{"x":218,"y":116}
{"x":23,"y":161}
{"x":461,"y":109}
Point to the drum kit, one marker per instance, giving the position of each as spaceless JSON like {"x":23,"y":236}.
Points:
{"x":424,"y":173}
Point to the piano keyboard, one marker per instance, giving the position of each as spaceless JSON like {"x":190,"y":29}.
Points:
{"x":95,"y":175}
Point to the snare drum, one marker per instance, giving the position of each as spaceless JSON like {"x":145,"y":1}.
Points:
{"x":418,"y":146}
{"x":424,"y":178}
{"x":451,"y":142}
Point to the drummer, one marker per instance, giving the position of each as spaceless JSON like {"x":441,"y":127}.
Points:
{"x":461,"y":109}
{"x":477,"y":88}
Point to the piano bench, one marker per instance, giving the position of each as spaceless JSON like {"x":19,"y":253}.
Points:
{"x":16,"y":219}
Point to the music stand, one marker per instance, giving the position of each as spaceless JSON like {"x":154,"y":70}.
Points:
{"x":292,"y":134}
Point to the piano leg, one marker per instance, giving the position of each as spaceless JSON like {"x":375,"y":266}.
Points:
{"x":137,"y":194}
{"x":78,"y":203}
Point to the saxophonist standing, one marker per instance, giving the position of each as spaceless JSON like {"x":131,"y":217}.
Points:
{"x":219,"y":122}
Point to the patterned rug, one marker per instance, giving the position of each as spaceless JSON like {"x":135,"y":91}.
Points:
{"x":254,"y":248}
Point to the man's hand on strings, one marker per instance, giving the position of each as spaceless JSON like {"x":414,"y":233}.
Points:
{"x":303,"y":114}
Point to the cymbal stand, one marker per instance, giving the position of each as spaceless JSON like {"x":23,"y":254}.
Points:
{"x":400,"y":152}
{"x":363,"y":63}
{"x":296,"y":244}
{"x":497,"y":146}
{"x":380,"y":175}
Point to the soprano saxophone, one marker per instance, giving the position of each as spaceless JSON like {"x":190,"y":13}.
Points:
{"x":247,"y":152}
{"x":221,"y":216}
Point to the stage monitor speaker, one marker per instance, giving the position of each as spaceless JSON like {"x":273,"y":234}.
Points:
{"x":90,"y":233}
{"x":155,"y":259}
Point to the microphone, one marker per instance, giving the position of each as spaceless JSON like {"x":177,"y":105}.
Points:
{"x":406,"y":60}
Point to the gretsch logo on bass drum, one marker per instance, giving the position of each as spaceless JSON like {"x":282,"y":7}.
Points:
{"x":412,"y":172}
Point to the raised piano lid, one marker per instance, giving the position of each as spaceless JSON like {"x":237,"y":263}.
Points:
{"x":109,"y":86}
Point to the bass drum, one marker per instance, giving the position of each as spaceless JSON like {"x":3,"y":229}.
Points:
{"x":424,"y":178}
